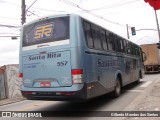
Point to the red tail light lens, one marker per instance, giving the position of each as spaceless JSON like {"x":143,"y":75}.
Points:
{"x":20,"y":75}
{"x":77,"y":72}
{"x":77,"y":76}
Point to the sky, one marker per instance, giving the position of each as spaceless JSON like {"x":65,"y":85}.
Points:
{"x":112,"y":14}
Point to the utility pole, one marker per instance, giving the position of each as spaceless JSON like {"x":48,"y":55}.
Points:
{"x":24,"y":11}
{"x":23,"y":18}
{"x":156,"y":6}
{"x":127,"y":31}
{"x":157,"y":24}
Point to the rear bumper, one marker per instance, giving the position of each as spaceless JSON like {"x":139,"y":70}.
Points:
{"x":75,"y":93}
{"x":152,"y":68}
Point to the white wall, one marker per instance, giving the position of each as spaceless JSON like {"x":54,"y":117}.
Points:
{"x":13,"y":81}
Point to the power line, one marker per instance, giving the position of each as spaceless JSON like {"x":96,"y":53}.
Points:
{"x":9,"y":26}
{"x":10,"y":36}
{"x":89,"y":12}
{"x":124,"y":10}
{"x":10,"y":3}
{"x":46,"y":9}
{"x":147,"y":29}
{"x":8,"y":18}
{"x":121,"y":3}
{"x":32,"y":13}
{"x":9,"y":33}
{"x":146,"y":7}
{"x":31,"y":5}
{"x":101,"y":8}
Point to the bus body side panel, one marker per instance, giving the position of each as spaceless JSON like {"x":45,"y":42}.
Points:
{"x":99,"y":74}
{"x":132,"y":69}
{"x":93,"y":87}
{"x":100,"y":68}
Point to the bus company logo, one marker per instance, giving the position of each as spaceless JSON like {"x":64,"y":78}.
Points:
{"x":6,"y":114}
{"x":43,"y":31}
{"x":108,"y":63}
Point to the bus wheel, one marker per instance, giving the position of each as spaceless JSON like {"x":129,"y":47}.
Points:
{"x":117,"y":89}
{"x":138,"y":81}
{"x":140,"y":76}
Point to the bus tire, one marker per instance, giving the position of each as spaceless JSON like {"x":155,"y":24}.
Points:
{"x":140,"y":76}
{"x":138,"y":81}
{"x":117,"y":89}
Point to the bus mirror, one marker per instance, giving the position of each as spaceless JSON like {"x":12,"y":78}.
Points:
{"x":144,"y":56}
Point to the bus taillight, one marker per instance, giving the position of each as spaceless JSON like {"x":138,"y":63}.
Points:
{"x":77,"y":76}
{"x":20,"y":75}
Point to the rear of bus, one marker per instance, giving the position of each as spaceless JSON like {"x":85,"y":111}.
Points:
{"x":49,"y":65}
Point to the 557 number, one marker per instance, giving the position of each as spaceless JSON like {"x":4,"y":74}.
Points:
{"x":63,"y":63}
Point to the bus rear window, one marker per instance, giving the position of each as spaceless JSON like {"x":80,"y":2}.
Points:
{"x":49,"y":30}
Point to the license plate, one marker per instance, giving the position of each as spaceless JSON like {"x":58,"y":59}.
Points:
{"x":45,"y":84}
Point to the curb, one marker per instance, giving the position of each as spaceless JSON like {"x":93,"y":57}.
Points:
{"x":10,"y":101}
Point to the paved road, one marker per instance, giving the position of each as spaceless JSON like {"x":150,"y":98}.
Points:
{"x":104,"y":103}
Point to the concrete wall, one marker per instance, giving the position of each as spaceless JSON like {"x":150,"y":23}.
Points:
{"x":2,"y":85}
{"x":12,"y":81}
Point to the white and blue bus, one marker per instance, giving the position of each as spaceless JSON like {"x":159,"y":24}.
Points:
{"x":67,"y":57}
